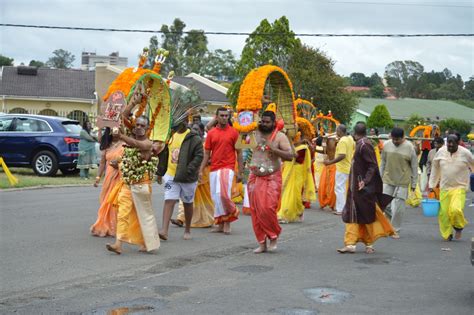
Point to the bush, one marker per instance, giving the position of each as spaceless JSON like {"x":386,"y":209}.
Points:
{"x":380,"y":118}
{"x":460,"y":125}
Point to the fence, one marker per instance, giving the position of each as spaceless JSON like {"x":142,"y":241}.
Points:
{"x":75,"y":114}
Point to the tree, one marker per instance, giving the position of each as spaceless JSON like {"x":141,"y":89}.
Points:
{"x":268,"y":42}
{"x":62,"y":59}
{"x":469,"y":88}
{"x":460,"y":125}
{"x":172,"y":40}
{"x":375,"y":79}
{"x":313,"y":76}
{"x":5,"y":61}
{"x":221,"y":64}
{"x":377,"y":91}
{"x":413,"y":121}
{"x":403,"y":76}
{"x":195,"y":50}
{"x":359,"y":79}
{"x":380,"y":118}
{"x":36,"y":63}
{"x":152,"y":48}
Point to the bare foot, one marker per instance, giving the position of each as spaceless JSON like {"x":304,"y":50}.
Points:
{"x":272,"y":246}
{"x":218,"y":229}
{"x":163,"y":236}
{"x":177,"y":222}
{"x":347,"y":249}
{"x":142,"y":249}
{"x":113,"y":248}
{"x":262,"y":248}
{"x":187,"y":236}
{"x":226,"y":229}
{"x":395,"y":236}
{"x":458,"y":234}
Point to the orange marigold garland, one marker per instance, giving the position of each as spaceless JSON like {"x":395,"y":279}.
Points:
{"x":306,"y":128}
{"x":252,"y":91}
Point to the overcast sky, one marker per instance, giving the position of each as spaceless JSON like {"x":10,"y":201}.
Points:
{"x":357,"y":54}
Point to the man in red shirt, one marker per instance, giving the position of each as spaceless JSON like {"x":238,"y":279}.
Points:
{"x":220,"y":148}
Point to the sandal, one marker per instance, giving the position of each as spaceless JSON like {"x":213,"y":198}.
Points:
{"x":369,"y":250}
{"x":177,"y":222}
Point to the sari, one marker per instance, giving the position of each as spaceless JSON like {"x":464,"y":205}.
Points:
{"x":107,"y":214}
{"x":298,"y":185}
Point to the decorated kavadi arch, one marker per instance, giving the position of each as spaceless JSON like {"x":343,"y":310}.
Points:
{"x":155,"y":97}
{"x":262,"y":86}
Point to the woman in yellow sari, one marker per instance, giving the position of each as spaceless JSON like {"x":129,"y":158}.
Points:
{"x":112,"y":149}
{"x":298,"y":185}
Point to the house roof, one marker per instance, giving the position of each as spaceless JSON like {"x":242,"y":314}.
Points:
{"x":209,"y":91}
{"x":401,"y":109}
{"x":49,"y":83}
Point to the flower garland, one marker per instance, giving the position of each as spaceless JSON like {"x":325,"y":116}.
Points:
{"x":306,"y":128}
{"x":134,"y":168}
{"x":251,"y":93}
{"x":253,"y":86}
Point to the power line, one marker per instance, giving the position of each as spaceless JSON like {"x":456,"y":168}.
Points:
{"x":75,"y":28}
{"x":439,"y":5}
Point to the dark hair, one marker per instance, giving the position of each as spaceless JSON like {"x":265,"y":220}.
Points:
{"x":221,"y":109}
{"x":360,"y":128}
{"x":200,"y":125}
{"x":376,"y":130}
{"x":457,"y":135}
{"x":343,"y":128}
{"x":85,"y":126}
{"x":269,"y":114}
{"x":453,"y":136}
{"x":397,"y":132}
{"x":144,"y":118}
{"x":106,"y":139}
{"x":439,"y":140}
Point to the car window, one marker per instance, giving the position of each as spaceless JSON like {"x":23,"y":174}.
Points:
{"x":72,"y":126}
{"x":30,"y":125}
{"x":5,"y":123}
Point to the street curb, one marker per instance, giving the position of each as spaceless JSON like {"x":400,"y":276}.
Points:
{"x":44,"y":186}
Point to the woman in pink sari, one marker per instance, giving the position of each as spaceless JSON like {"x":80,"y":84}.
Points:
{"x":112,"y":150}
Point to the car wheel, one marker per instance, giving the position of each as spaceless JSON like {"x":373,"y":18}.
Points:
{"x":45,"y":163}
{"x":70,"y":171}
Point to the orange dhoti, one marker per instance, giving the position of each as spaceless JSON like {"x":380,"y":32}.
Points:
{"x":368,"y":233}
{"x":326,"y":194}
{"x":264,"y":195}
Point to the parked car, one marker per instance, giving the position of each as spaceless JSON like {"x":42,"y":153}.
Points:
{"x":44,"y":143}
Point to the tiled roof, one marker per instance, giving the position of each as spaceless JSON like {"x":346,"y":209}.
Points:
{"x":207,"y":93}
{"x":57,"y":83}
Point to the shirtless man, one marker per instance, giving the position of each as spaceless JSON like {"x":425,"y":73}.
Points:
{"x":136,"y":221}
{"x":264,"y":184}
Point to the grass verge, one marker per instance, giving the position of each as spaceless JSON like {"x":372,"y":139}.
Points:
{"x":27,"y":178}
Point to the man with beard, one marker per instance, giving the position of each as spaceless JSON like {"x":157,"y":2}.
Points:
{"x":220,"y":143}
{"x":264,"y":184}
{"x":136,"y":222}
{"x":451,"y":167}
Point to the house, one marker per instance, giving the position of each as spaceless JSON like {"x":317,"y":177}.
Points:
{"x":401,"y":109}
{"x":78,"y":94}
{"x":212,"y":94}
{"x":365,"y":91}
{"x":44,"y":91}
{"x":89,"y":60}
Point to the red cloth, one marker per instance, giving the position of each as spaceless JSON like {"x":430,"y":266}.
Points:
{"x":264,"y":196}
{"x":221,"y":143}
{"x":425,"y":145}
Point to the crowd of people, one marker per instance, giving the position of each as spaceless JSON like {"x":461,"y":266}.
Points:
{"x":364,"y":180}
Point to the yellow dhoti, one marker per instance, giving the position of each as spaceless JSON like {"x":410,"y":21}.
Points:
{"x":136,"y":223}
{"x":451,"y":212}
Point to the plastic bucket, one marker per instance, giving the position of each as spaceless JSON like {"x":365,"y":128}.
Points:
{"x":430,"y":207}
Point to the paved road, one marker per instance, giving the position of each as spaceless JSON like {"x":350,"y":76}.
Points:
{"x":50,"y":264}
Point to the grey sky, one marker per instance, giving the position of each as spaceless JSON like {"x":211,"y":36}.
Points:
{"x":366,"y":55}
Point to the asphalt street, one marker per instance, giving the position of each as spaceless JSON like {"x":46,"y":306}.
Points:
{"x":51,"y":264}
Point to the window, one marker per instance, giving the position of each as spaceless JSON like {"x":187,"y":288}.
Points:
{"x":18,"y":110}
{"x":72,"y":126}
{"x":31,"y":125}
{"x":5,"y":123}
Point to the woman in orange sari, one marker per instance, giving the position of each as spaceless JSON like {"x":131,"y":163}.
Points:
{"x":112,"y":149}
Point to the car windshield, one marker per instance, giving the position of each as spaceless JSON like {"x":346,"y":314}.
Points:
{"x":72,"y":126}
